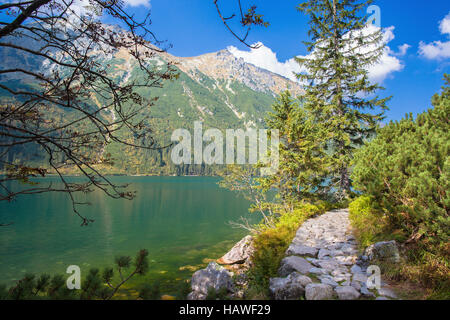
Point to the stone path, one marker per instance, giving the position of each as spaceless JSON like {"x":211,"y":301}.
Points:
{"x":322,"y":263}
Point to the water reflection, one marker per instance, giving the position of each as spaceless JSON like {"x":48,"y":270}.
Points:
{"x":180,"y":220}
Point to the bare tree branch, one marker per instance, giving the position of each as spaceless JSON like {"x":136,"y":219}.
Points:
{"x":246,"y":20}
{"x":69,"y":106}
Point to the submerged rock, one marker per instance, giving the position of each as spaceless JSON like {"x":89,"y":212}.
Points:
{"x":239,"y":253}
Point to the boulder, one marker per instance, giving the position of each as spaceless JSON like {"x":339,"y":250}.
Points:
{"x":356,"y":285}
{"x":318,"y":271}
{"x":301,"y":250}
{"x":329,"y":265}
{"x":239,"y":253}
{"x":383,"y":251}
{"x":347,"y":293}
{"x":294,"y":264}
{"x":194,"y":295}
{"x":318,"y":291}
{"x":323,"y":253}
{"x":214,"y":276}
{"x":360,"y":277}
{"x":386,"y":292}
{"x":356,"y":269}
{"x":366,"y":293}
{"x":290,"y":288}
{"x":329,"y":281}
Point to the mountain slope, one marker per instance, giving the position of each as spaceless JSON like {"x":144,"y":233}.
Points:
{"x":216,"y":88}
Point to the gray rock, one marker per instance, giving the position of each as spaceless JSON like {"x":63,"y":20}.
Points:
{"x":366,"y":293}
{"x":340,"y":278}
{"x":214,"y":276}
{"x":347,"y":293}
{"x":387,"y":293}
{"x":328,"y":265}
{"x":335,"y":253}
{"x":356,"y":269}
{"x":382,"y":298}
{"x":360,"y":277}
{"x":301,"y":250}
{"x":348,"y":248}
{"x":317,"y":271}
{"x":323,"y":253}
{"x":318,"y":291}
{"x":294,"y":264}
{"x":329,"y":282}
{"x":239,"y":253}
{"x":290,"y":288}
{"x":346,"y":260}
{"x":384,"y":251}
{"x":346,"y":283}
{"x":194,"y":295}
{"x":356,"y":285}
{"x":313,"y":261}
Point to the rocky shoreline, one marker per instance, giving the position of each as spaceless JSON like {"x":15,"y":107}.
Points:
{"x":321,"y":263}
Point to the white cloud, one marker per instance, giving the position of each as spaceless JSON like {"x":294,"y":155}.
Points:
{"x":444,"y":26}
{"x":437,"y":50}
{"x":403,"y":49}
{"x":137,"y":3}
{"x":388,"y":64}
{"x":265,"y":58}
{"x":389,"y":61}
{"x":81,"y":6}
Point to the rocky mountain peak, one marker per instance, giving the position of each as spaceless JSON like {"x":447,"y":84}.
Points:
{"x":223,"y":66}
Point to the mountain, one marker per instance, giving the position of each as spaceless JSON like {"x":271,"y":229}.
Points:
{"x":217,"y":88}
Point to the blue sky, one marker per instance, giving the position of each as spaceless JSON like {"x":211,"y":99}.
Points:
{"x":417,"y":35}
{"x":193,"y":28}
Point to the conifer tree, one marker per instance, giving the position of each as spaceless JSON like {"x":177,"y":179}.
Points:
{"x":339,"y":94}
{"x":303,"y":163}
{"x":406,"y":170}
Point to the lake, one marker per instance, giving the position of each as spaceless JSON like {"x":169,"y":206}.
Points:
{"x":181,"y":221}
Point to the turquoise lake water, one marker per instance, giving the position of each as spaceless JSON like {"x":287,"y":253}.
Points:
{"x":181,"y":221}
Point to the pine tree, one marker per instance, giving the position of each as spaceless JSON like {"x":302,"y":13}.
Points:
{"x":406,"y":170}
{"x":302,"y":165}
{"x":339,"y":94}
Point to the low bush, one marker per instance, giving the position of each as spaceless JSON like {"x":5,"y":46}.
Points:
{"x":405,"y":174}
{"x":406,"y":170}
